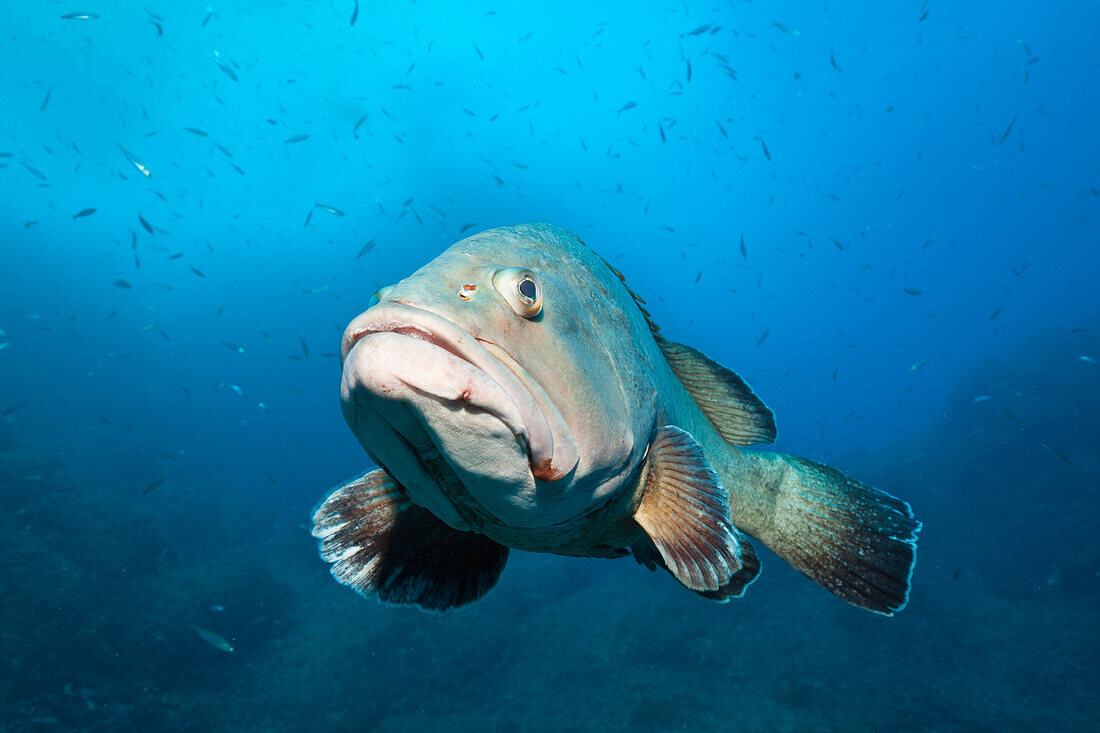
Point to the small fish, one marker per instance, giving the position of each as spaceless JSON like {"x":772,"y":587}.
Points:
{"x":354,"y":13}
{"x":1086,"y":359}
{"x":923,"y":16}
{"x":146,"y":225}
{"x":912,"y":291}
{"x":983,"y":398}
{"x":832,"y":60}
{"x":34,"y":171}
{"x":154,"y":485}
{"x":628,"y":105}
{"x":744,"y":252}
{"x":233,"y":347}
{"x":14,"y":409}
{"x":309,"y":216}
{"x":198,"y":272}
{"x":1004,"y":135}
{"x":358,"y":122}
{"x":80,"y":16}
{"x":215,"y":640}
{"x":305,"y":348}
{"x":789,"y":30}
{"x":764,"y":145}
{"x":45,"y":101}
{"x":917,"y":365}
{"x":480,"y":55}
{"x":235,"y":388}
{"x":330,"y":209}
{"x":297,"y":138}
{"x":142,"y":168}
{"x":366,"y":248}
{"x":83,"y":212}
{"x":197,"y":131}
{"x":1057,"y":454}
{"x":122,"y":284}
{"x":466,"y":227}
{"x":228,"y":71}
{"x":762,"y":337}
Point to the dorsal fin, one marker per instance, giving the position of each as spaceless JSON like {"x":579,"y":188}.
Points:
{"x":738,"y":415}
{"x":638,"y":300}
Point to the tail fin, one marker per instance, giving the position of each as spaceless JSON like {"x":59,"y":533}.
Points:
{"x":856,"y":541}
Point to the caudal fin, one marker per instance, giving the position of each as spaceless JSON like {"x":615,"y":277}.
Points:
{"x":856,"y":541}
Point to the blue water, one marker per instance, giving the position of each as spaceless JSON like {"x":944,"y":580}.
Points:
{"x":920,"y":230}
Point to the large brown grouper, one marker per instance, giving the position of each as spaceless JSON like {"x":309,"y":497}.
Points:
{"x":516,"y":393}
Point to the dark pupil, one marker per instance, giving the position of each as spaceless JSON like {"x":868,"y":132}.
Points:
{"x":527,"y":289}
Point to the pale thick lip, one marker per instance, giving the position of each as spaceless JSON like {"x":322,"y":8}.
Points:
{"x":551,"y":448}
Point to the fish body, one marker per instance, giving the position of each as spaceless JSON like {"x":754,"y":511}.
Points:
{"x":214,"y":639}
{"x":142,"y":168}
{"x":516,"y":394}
{"x":329,"y":209}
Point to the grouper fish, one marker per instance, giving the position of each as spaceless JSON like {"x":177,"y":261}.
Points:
{"x":516,"y":394}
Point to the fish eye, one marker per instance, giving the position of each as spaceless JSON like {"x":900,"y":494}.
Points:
{"x":378,"y":295}
{"x":521,"y":288}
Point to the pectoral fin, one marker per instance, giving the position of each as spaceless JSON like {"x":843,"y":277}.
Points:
{"x":685,"y":511}
{"x":381,"y":544}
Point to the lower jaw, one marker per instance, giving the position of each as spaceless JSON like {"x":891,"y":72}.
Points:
{"x":402,"y":446}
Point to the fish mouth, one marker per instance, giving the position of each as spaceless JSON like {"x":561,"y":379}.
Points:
{"x":476,"y":372}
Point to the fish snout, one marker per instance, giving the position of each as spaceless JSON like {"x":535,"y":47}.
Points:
{"x":415,"y":348}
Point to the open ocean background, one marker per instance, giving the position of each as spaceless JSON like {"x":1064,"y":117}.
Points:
{"x":916,"y":186}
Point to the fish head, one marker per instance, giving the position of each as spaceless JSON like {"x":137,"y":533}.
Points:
{"x":503,"y":379}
